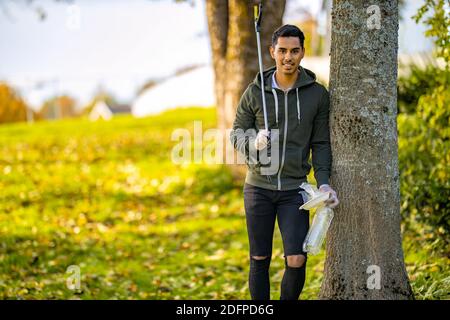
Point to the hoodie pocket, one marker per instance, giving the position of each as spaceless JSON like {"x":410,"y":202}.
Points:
{"x":252,"y":166}
{"x":293,"y":163}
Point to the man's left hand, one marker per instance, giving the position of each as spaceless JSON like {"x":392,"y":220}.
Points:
{"x":333,"y":201}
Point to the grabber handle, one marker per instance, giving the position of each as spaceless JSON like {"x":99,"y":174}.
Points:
{"x":257,"y":13}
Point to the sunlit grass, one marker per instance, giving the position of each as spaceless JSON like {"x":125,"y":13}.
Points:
{"x":106,"y":197}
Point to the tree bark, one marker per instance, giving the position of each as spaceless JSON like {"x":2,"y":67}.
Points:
{"x":234,"y":50}
{"x":366,"y":228}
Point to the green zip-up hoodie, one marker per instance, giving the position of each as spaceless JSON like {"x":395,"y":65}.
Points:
{"x":301,"y":116}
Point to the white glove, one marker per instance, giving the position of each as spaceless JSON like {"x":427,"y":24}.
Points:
{"x":333,"y":201}
{"x":262,"y":139}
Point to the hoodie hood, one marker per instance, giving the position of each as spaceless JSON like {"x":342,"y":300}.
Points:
{"x":306,"y":77}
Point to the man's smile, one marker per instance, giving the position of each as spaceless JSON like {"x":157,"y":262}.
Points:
{"x":288,"y":65}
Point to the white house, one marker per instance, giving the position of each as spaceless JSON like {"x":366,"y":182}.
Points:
{"x":193,"y":88}
{"x":100,"y":111}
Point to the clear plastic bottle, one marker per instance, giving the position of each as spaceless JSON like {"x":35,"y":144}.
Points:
{"x":318,"y":230}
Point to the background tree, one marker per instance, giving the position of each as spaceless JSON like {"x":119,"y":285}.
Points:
{"x":234,"y":51}
{"x":58,"y":107}
{"x":366,"y":228}
{"x":12,"y":106}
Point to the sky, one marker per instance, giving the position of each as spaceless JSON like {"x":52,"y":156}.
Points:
{"x":118,"y":44}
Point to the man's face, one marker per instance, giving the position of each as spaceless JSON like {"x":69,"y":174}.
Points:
{"x":287,"y":54}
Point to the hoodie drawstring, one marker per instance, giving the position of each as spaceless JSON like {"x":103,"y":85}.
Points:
{"x":298,"y":106}
{"x":275,"y":97}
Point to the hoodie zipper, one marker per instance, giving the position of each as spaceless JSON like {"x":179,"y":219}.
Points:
{"x":285,"y":126}
{"x":284,"y":137}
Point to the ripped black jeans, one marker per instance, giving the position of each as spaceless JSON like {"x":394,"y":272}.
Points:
{"x":262,"y":208}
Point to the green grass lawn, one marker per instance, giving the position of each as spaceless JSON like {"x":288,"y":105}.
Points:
{"x":106,"y":197}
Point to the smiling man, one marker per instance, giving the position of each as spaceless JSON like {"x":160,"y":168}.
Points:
{"x":297,"y":107}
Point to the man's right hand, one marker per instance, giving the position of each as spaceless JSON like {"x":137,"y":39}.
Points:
{"x":262,"y":139}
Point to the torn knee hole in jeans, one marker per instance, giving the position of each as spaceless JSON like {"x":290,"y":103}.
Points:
{"x":298,"y":261}
{"x":259,"y":257}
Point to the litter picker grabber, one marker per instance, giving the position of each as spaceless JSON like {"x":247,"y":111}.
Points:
{"x":258,"y":17}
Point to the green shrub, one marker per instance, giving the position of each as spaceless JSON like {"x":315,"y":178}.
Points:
{"x":424,"y":155}
{"x":418,"y":82}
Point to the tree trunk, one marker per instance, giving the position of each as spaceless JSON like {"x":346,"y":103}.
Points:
{"x":234,"y":50}
{"x":364,"y":237}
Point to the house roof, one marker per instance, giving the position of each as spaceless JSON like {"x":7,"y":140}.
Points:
{"x":120,"y":108}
